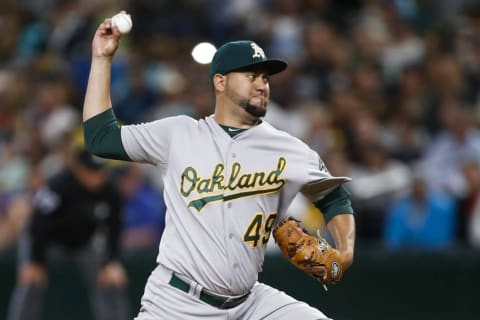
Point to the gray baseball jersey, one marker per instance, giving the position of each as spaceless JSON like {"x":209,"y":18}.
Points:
{"x":224,"y":194}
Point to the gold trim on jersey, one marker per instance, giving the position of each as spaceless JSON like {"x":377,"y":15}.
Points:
{"x":215,"y":186}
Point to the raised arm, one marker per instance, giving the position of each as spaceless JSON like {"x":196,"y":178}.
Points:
{"x":104,"y":45}
{"x":100,"y":128}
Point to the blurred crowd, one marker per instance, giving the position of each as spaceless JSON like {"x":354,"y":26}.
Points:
{"x":386,"y":91}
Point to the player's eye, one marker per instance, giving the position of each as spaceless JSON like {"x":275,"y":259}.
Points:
{"x":254,"y":76}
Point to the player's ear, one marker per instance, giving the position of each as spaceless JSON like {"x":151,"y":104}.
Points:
{"x":219,"y":82}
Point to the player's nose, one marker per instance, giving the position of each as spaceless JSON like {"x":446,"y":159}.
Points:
{"x":261,"y":84}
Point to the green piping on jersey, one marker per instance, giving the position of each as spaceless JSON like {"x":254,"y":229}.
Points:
{"x":232,"y":131}
{"x":335,"y":203}
{"x":202,"y":202}
{"x":103,"y":138}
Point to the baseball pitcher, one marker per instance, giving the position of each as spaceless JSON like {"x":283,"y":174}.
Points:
{"x":228,"y":181}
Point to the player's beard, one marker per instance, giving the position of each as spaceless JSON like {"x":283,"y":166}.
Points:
{"x":248,"y":105}
{"x":253,"y":109}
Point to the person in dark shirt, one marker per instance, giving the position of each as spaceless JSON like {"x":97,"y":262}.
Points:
{"x":77,"y":214}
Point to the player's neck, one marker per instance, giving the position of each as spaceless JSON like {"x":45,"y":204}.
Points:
{"x":235,"y":117}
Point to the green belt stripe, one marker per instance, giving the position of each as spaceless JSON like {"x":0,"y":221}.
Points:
{"x":179,"y":284}
{"x":218,"y":302}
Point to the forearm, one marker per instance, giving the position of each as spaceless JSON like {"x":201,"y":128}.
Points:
{"x":342,"y":230}
{"x":101,"y":131}
{"x":97,"y":97}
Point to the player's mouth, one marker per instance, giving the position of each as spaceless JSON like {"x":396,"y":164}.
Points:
{"x":259,"y":101}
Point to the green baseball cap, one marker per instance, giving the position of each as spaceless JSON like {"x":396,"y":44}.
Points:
{"x":237,"y":55}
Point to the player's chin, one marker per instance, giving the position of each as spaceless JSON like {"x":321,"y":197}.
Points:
{"x":260,"y":105}
{"x":256,"y":111}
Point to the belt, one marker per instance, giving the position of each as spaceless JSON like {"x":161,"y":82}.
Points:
{"x":221,"y":302}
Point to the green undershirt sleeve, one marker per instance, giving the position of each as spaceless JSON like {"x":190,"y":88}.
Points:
{"x":103,"y":138}
{"x":335,"y":203}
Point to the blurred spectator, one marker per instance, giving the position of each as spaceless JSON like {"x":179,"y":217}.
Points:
{"x":292,"y":120}
{"x":404,"y":49}
{"x":469,"y":212}
{"x":467,"y":43}
{"x":422,"y":219}
{"x":14,"y":168}
{"x":405,"y":135}
{"x":445,"y":96}
{"x":377,"y":180}
{"x":137,"y":100}
{"x":458,"y":140}
{"x":15,"y":208}
{"x":411,"y":94}
{"x":13,"y":216}
{"x":285,"y":29}
{"x":344,"y":106}
{"x":369,"y":88}
{"x":405,"y":141}
{"x":51,"y":112}
{"x":75,"y":215}
{"x":370,"y":32}
{"x":320,"y":134}
{"x":364,"y":130}
{"x":143,"y":209}
{"x":340,"y":60}
{"x":319,"y":43}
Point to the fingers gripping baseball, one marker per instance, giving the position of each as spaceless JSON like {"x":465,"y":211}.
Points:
{"x":106,"y":39}
{"x":314,"y":256}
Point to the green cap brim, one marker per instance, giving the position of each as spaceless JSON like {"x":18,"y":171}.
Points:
{"x":272,"y":66}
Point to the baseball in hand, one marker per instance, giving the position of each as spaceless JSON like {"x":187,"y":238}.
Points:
{"x":123,"y":22}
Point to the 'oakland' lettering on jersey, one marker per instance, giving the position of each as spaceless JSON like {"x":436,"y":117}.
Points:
{"x":255,"y":182}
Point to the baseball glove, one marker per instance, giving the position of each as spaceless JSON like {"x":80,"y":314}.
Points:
{"x":307,"y":252}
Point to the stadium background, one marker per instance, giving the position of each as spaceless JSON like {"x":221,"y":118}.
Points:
{"x":386,"y":91}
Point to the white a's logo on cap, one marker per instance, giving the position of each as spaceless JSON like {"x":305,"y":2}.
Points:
{"x":257,"y":51}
